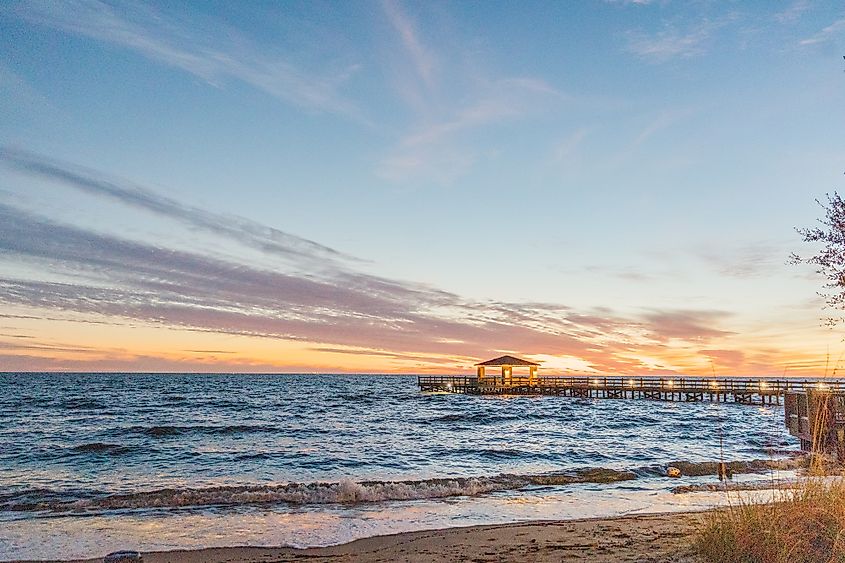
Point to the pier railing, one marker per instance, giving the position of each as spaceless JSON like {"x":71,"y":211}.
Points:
{"x":678,"y":388}
{"x":704,"y":384}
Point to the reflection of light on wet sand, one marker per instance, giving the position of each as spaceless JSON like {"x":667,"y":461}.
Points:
{"x":280,"y":525}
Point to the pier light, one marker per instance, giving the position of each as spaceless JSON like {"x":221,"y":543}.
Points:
{"x":714,"y":385}
{"x":763,"y":386}
{"x":630,"y":383}
{"x":671,"y":383}
{"x":821,"y":386}
{"x":594,"y":381}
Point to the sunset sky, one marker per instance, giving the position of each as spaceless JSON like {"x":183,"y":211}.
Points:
{"x":605,"y":186}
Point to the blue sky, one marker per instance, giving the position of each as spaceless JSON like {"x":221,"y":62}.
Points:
{"x":626,"y":174}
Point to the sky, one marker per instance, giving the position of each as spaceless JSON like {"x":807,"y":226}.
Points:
{"x":413,"y":187}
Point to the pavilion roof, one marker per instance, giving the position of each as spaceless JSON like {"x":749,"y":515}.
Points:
{"x":507,"y":361}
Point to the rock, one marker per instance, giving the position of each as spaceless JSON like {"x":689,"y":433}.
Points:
{"x":673,"y":472}
{"x":123,"y":557}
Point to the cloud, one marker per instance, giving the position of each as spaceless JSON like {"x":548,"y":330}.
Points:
{"x":746,"y":262}
{"x":112,"y":278}
{"x":668,"y":44}
{"x":186,"y":277}
{"x":19,"y":97}
{"x":692,"y":326}
{"x":423,"y":59}
{"x":213,"y":54}
{"x":79,"y":273}
{"x":673,"y":42}
{"x":630,"y":2}
{"x":450,"y":96}
{"x":122,"y":361}
{"x":435,"y":150}
{"x":565,"y":149}
{"x":628,"y":274}
{"x":663,"y":120}
{"x":794,"y":12}
{"x":826,"y":34}
{"x":94,"y":183}
{"x":732,"y":359}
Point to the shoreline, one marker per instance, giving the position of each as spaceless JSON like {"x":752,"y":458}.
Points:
{"x":652,"y":537}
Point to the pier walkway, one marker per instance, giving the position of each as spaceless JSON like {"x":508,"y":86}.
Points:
{"x":751,"y":391}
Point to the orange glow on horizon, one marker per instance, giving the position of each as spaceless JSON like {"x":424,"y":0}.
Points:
{"x":103,"y":344}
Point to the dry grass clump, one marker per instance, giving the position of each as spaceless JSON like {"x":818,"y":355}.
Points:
{"x":805,"y":524}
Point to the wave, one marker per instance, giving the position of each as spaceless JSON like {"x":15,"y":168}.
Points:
{"x":82,"y":403}
{"x":487,"y":417}
{"x":102,"y":448}
{"x":175,"y":398}
{"x":345,"y":491}
{"x":165,"y":431}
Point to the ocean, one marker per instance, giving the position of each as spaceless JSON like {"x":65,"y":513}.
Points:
{"x":92,"y":463}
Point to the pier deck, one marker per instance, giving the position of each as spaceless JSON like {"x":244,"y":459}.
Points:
{"x":752,"y":391}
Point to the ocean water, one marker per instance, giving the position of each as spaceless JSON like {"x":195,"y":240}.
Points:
{"x":90,"y":463}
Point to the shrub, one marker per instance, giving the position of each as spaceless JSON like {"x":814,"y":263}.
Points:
{"x":805,"y":524}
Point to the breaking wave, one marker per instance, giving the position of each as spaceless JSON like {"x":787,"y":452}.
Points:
{"x":345,"y":491}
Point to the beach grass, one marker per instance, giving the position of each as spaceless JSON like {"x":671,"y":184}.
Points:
{"x":805,"y":523}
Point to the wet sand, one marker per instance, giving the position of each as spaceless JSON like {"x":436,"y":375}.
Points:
{"x":655,"y":538}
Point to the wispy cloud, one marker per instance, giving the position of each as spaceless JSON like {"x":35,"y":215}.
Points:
{"x":444,"y":113}
{"x":433,"y":150}
{"x":695,"y":326}
{"x":679,"y":39}
{"x":669,"y":43}
{"x":630,"y":2}
{"x":662,"y":121}
{"x":106,"y":277}
{"x":793,"y":12}
{"x":829,"y":33}
{"x":744,"y":262}
{"x":423,"y":60}
{"x":156,"y":285}
{"x":95,"y":183}
{"x":213,"y":54}
{"x":628,"y":274}
{"x":21,"y":96}
{"x":564,"y":149}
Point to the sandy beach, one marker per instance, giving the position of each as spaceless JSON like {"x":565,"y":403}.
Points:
{"x":654,"y":538}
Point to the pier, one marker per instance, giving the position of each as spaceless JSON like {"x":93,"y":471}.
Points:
{"x":749,"y":391}
{"x":814,"y":408}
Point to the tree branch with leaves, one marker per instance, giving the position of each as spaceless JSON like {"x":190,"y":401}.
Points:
{"x":829,"y":261}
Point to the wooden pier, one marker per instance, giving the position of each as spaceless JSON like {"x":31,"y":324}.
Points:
{"x":749,"y":391}
{"x":817,"y":418}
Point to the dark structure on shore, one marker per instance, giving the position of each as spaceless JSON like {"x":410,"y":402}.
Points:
{"x":817,"y":418}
